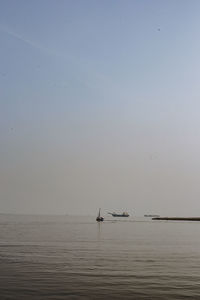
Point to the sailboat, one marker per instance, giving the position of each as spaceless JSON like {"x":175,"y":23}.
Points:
{"x":99,"y":218}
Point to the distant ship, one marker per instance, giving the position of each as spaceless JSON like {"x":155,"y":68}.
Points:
{"x":152,"y":216}
{"x":99,"y":218}
{"x":124,"y":214}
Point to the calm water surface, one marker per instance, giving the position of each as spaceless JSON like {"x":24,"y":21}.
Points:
{"x":62,"y":257}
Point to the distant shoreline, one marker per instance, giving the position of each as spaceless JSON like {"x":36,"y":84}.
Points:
{"x":177,"y":218}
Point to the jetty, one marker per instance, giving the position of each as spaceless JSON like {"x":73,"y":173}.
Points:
{"x":177,"y":218}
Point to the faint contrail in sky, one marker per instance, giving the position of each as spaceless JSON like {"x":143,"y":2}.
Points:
{"x":74,"y":60}
{"x":25,"y":40}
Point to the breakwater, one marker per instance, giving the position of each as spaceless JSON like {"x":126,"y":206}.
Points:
{"x":177,"y":218}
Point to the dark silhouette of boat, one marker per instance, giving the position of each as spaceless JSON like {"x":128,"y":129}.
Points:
{"x":124,"y":214}
{"x":99,"y":218}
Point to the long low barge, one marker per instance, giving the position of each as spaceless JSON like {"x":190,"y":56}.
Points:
{"x":177,"y":218}
{"x":124,"y":214}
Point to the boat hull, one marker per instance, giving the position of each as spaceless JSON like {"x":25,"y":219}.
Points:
{"x":121,"y":216}
{"x":99,"y":219}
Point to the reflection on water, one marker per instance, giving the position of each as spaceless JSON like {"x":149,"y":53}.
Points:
{"x":78,"y":258}
{"x":99,"y":228}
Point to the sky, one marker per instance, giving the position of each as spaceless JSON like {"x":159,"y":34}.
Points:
{"x":100,"y":107}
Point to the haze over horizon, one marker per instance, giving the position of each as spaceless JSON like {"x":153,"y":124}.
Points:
{"x":100,"y":107}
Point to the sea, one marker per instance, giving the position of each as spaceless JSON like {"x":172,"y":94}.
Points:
{"x":74,"y":257}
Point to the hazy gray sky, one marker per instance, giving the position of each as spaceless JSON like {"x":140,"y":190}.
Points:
{"x":100,"y":106}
